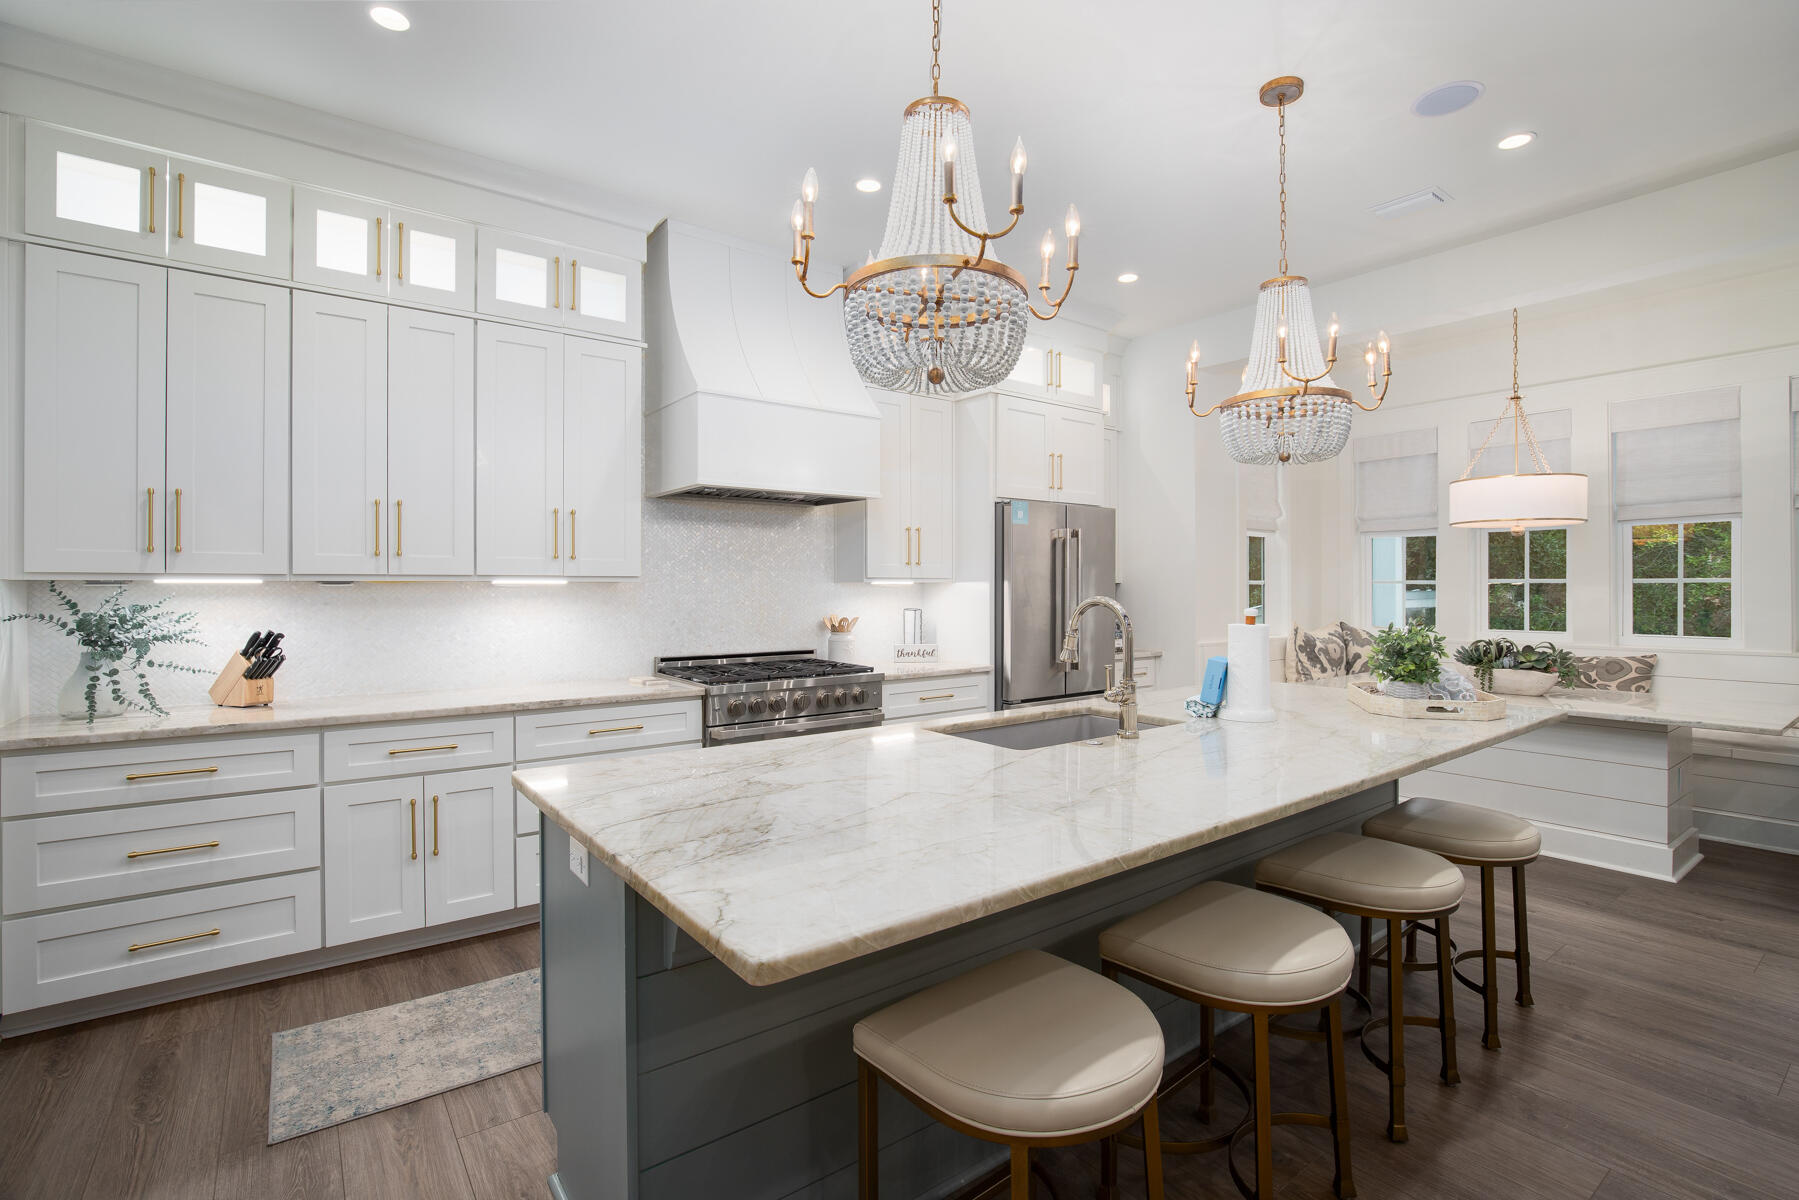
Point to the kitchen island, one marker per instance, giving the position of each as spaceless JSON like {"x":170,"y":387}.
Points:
{"x":743,"y":906}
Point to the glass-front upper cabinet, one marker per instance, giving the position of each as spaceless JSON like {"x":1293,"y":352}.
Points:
{"x":340,"y":241}
{"x":433,"y":259}
{"x":94,"y":191}
{"x":231,"y":219}
{"x":557,"y":284}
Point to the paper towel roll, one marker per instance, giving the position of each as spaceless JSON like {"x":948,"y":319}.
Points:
{"x":1246,"y":683}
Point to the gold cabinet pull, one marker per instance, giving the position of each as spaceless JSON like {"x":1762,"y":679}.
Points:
{"x":558,"y":275}
{"x":399,"y":252}
{"x":571,"y":530}
{"x":212,"y":845}
{"x":614,"y":729}
{"x":412,"y":813}
{"x":399,"y":528}
{"x":377,"y":527}
{"x":134,"y":947}
{"x":434,"y":827}
{"x":420,"y":749}
{"x":908,"y":545}
{"x":152,"y":171}
{"x":1061,"y":474}
{"x":1058,"y":368}
{"x":149,"y":520}
{"x":165,"y":774}
{"x":1052,"y":470}
{"x":180,"y":203}
{"x":555,"y":533}
{"x":920,"y":561}
{"x":942,"y":696}
{"x":574,"y":290}
{"x":377,"y":247}
{"x":178,"y":520}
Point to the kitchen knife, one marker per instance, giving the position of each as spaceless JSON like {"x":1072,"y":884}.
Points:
{"x":274,"y":645}
{"x":275,"y":663}
{"x":251,"y":644}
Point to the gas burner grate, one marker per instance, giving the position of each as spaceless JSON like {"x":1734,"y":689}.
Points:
{"x":767,"y":671}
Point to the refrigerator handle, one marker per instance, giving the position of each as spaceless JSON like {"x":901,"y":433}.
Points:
{"x":1071,"y":577}
{"x":1058,"y":593}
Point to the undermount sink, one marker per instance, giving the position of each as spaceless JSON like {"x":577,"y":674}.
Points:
{"x":1057,"y":730}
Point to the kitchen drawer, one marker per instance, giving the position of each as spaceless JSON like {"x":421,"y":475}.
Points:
{"x":613,"y":727}
{"x":87,"y":857}
{"x":527,"y":814}
{"x":89,"y":951}
{"x":378,"y":751}
{"x":904,"y":699}
{"x":528,"y":852}
{"x":66,"y":780}
{"x":1145,"y":674}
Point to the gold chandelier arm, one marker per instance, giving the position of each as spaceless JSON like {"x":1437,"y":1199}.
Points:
{"x":949,"y":202}
{"x":803,"y":266}
{"x":1192,"y":395}
{"x":1386,"y":381}
{"x":1057,"y":306}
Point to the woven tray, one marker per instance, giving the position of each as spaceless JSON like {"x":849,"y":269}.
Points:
{"x":1368,"y":696}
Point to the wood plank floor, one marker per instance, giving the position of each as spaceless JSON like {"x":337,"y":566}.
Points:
{"x":1661,"y":1062}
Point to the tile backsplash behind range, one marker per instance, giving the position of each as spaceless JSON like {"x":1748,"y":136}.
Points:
{"x":716,"y":577}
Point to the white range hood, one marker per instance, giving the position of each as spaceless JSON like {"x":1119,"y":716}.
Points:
{"x":752,"y":395}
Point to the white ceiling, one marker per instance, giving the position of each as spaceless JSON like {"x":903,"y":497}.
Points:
{"x":1144,"y":114}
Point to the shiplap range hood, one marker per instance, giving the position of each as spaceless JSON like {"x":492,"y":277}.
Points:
{"x":751,"y":392}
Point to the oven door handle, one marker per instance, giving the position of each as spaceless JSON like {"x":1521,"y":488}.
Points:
{"x":767,"y":732}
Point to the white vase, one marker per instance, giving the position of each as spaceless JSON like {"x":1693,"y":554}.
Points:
{"x":71,"y":702}
{"x":840,"y":647}
{"x":1508,"y":682}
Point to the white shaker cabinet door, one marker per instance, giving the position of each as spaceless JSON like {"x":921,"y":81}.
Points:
{"x":888,"y":515}
{"x":230,"y":219}
{"x":340,"y":436}
{"x":1077,"y":375}
{"x":226,"y":508}
{"x":90,"y":190}
{"x":430,"y":443}
{"x":433,"y":260}
{"x":602,"y":458}
{"x":468,"y":844}
{"x":929,"y":450}
{"x":375,"y":850}
{"x":1025,"y":465}
{"x":605,"y":293}
{"x":1078,"y":436}
{"x":520,"y":277}
{"x":518,"y":451}
{"x":94,"y":404}
{"x":340,"y":241}
{"x":1031,"y":375}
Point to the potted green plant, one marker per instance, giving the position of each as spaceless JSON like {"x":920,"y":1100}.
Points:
{"x":1407,"y":660}
{"x":1504,"y":667}
{"x":116,"y":639}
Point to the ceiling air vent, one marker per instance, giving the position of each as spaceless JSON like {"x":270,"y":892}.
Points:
{"x":1428,"y":198}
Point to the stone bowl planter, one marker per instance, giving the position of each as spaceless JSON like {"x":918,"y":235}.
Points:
{"x":1522,"y":683}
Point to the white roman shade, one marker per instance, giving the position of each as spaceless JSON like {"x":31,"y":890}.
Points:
{"x":1259,"y":496}
{"x":1396,"y":481}
{"x":1677,"y":456}
{"x":1555,"y":435}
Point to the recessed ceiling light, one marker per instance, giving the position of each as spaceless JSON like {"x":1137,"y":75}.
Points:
{"x":1513,"y":141}
{"x":1128,"y":277}
{"x":1451,"y":97}
{"x":868,"y":185}
{"x":390,"y":18}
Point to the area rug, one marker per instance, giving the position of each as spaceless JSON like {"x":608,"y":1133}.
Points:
{"x":335,"y":1071}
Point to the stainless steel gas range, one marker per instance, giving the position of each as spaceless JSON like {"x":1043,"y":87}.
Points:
{"x":755,"y":697}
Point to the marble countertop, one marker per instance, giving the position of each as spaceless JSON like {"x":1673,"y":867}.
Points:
{"x":785,"y":857}
{"x":194,"y":720}
{"x":929,"y":670}
{"x":1655,"y":708}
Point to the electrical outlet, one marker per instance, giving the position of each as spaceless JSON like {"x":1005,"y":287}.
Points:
{"x":577,"y":860}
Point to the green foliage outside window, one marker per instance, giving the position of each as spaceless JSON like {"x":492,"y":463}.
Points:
{"x":1681,"y":579}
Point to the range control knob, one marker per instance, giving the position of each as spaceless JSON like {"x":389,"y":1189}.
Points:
{"x":801,"y":701}
{"x":734,"y":708}
{"x":841,"y":697}
{"x":757,"y":705}
{"x":777,"y":703}
{"x":824,"y":697}
{"x":857,"y":695}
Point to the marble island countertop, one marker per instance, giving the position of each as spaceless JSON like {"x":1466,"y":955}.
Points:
{"x":1670,"y":709}
{"x":785,"y":857}
{"x":197,"y":720}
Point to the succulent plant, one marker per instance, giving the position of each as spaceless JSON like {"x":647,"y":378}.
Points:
{"x":1486,"y":655}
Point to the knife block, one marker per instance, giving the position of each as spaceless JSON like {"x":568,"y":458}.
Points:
{"x":232,"y":690}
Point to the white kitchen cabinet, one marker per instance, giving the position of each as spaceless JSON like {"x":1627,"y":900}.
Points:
{"x":340,"y":241}
{"x":1031,"y":375}
{"x":557,"y":284}
{"x":1059,"y":368}
{"x":232,"y":219}
{"x":518,"y":450}
{"x":95,"y":191}
{"x":433,"y":259}
{"x":1078,"y":373}
{"x":1111,"y":392}
{"x":602,"y":458}
{"x":528,"y":868}
{"x":226,"y":504}
{"x":1110,"y":490}
{"x":93,"y":414}
{"x":417,"y":850}
{"x":1078,"y":437}
{"x":430,"y":443}
{"x":905,"y":533}
{"x":339,"y":435}
{"x":1024,"y":453}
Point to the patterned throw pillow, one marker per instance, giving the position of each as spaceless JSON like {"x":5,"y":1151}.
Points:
{"x":1317,"y":654}
{"x":1358,"y":645}
{"x":1616,"y":672}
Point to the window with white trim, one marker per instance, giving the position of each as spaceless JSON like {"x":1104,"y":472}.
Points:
{"x":1402,"y":573}
{"x":1527,"y":581}
{"x":1682,"y":578}
{"x":1256,"y":571}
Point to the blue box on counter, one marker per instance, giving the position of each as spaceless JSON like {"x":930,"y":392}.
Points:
{"x":1211,"y":691}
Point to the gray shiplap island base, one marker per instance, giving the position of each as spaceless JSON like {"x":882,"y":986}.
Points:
{"x":747,"y":905}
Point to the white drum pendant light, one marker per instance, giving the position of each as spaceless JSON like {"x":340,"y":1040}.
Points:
{"x":1535,"y":499}
{"x":936,"y":312}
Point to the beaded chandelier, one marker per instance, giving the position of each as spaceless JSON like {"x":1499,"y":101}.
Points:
{"x":1289,"y":408}
{"x":936,"y":312}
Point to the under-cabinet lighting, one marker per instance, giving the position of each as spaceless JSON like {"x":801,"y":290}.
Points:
{"x":207,"y":579}
{"x":529,"y":582}
{"x":391,"y":19}
{"x":1517,"y":141}
{"x":892,"y":582}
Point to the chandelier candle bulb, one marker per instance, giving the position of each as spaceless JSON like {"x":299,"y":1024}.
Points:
{"x":1369,"y":356}
{"x":1331,"y":354}
{"x":949,"y":171}
{"x":799,"y":235}
{"x":1018,"y":176}
{"x":1280,"y":352}
{"x":1072,"y":226}
{"x":1048,"y":251}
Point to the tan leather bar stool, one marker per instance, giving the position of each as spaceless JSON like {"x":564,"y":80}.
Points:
{"x":1475,"y":837}
{"x":1380,"y":881}
{"x":1027,"y":1051}
{"x":1223,"y":946}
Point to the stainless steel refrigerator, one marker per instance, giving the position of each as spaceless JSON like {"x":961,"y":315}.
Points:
{"x":1048,"y":558}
